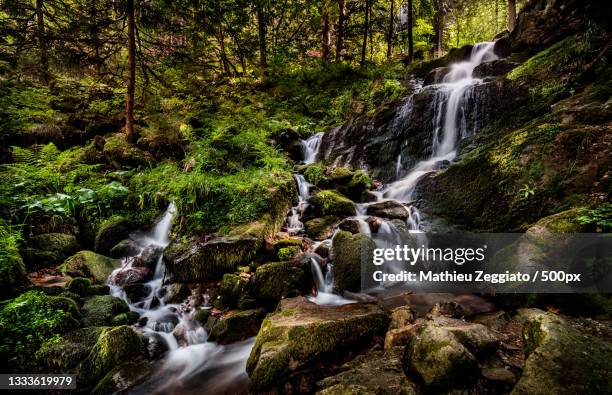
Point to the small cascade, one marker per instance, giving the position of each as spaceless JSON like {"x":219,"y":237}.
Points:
{"x":294,"y":223}
{"x":325,"y":286}
{"x":311,"y":147}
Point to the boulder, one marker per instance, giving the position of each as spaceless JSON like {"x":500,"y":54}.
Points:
{"x":119,"y":154}
{"x":70,"y":349}
{"x":348,"y":253}
{"x":390,"y":209}
{"x":288,"y":253}
{"x":136,"y":292}
{"x":321,"y":228}
{"x":238,"y":326}
{"x":329,"y":202}
{"x":436,"y":75}
{"x":49,"y":249}
{"x":561,"y":359}
{"x":122,"y":378}
{"x":443,"y":353}
{"x":494,"y":68}
{"x":273,"y":281}
{"x":99,"y":310}
{"x":113,"y":230}
{"x":89,"y":264}
{"x":350,"y":225}
{"x":114,"y":347}
{"x":148,"y":257}
{"x":130,"y":275}
{"x":176,"y":293}
{"x":298,"y":334}
{"x":194,"y":261}
{"x":229,"y":291}
{"x":12,"y":275}
{"x":373,"y":373}
{"x":124,"y":248}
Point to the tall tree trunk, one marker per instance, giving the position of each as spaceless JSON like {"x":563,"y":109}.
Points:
{"x":366,"y":27}
{"x":458,"y":31}
{"x":391,"y":29}
{"x":326,"y":38}
{"x":131,"y":83}
{"x":410,"y":26}
{"x":438,"y":27}
{"x":261,"y":28}
{"x":496,"y":16}
{"x":340,"y":33}
{"x":511,"y":15}
{"x":42,"y":42}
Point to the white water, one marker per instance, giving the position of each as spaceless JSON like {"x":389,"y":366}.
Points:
{"x":294,"y":224}
{"x":311,"y":147}
{"x":188,"y":353}
{"x":325,"y":286}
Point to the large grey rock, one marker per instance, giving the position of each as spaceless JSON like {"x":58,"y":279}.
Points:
{"x":389,"y":209}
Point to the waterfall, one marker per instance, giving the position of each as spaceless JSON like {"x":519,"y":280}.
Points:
{"x":325,"y":286}
{"x":311,"y":147}
{"x":294,"y":224}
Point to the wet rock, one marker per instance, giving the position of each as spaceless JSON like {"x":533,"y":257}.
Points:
{"x":176,"y":293}
{"x":443,"y":353}
{"x":350,"y":225}
{"x":114,"y":347}
{"x":375,"y":373}
{"x":130,"y":275}
{"x":273,"y":281}
{"x":389,"y":209}
{"x":129,"y":318}
{"x":322,"y":250}
{"x":79,"y":285}
{"x":436,"y":75}
{"x":49,"y":249}
{"x":157,"y":346}
{"x":89,"y":264}
{"x":112,"y":231}
{"x":401,"y":316}
{"x":122,"y":378}
{"x":238,"y":326}
{"x":99,"y":310}
{"x":149,"y":257}
{"x":136,"y":292}
{"x":494,"y":68}
{"x":229,"y":291}
{"x":374,"y":224}
{"x":399,"y":337}
{"x":560,"y":359}
{"x":449,"y":309}
{"x":349,"y":251}
{"x":195,"y":261}
{"x":299,"y":333}
{"x":289,"y":242}
{"x":70,"y":349}
{"x":495,"y":320}
{"x":329,"y":202}
{"x":321,"y":228}
{"x":288,"y":253}
{"x":124,"y":248}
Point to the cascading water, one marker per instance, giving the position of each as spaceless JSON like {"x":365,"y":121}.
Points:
{"x":294,"y":224}
{"x":188,"y":352}
{"x":311,"y":147}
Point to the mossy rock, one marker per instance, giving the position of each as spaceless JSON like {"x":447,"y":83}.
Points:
{"x":321,"y":228}
{"x":71,"y":295}
{"x":99,"y":310}
{"x":349,"y":253}
{"x":12,"y":275}
{"x":288,"y":253}
{"x":191,"y":261}
{"x":79,"y":285}
{"x":273,"y":281}
{"x":114,"y":347}
{"x":300,"y":334}
{"x":128,"y":318}
{"x":49,"y":249}
{"x":230,"y":290}
{"x":122,"y":378}
{"x":283,"y":243}
{"x":89,"y":264}
{"x":238,"y":326}
{"x":71,"y":348}
{"x":124,"y":248}
{"x":360,"y":182}
{"x":113,"y":231}
{"x":331,"y":202}
{"x":119,"y":154}
{"x":561,"y":359}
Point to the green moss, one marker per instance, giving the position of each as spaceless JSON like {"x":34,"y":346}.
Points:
{"x":99,"y":310}
{"x":288,"y":253}
{"x":79,"y":285}
{"x":122,"y":377}
{"x":332,"y":203}
{"x":70,"y":349}
{"x":89,"y":264}
{"x":321,"y":228}
{"x":276,"y":280}
{"x":31,"y":319}
{"x":114,"y":346}
{"x":360,"y":181}
{"x":314,"y":173}
{"x":12,"y":269}
{"x":350,"y":252}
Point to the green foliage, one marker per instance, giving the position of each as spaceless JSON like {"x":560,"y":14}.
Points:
{"x":30,"y":319}
{"x":526,"y":191}
{"x":315,"y":173}
{"x":287,"y":253}
{"x":599,"y":218}
{"x":12,"y":269}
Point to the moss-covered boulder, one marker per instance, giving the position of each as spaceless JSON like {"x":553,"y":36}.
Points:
{"x":321,"y":228}
{"x":360,"y":183}
{"x":238,"y":326}
{"x":12,"y":272}
{"x":126,"y":247}
{"x":443,"y":354}
{"x":111,"y":232}
{"x":348,"y":253}
{"x":99,"y":310}
{"x":49,"y":249}
{"x":373,"y":373}
{"x":288,"y":253}
{"x":122,"y":378}
{"x":329,"y":202}
{"x":561,"y":359}
{"x":229,"y":291}
{"x":192,"y":261}
{"x":70,"y":349}
{"x":89,"y":264}
{"x":119,"y":153}
{"x":301,"y":334}
{"x":389,"y":209}
{"x":114,"y":347}
{"x":273,"y":281}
